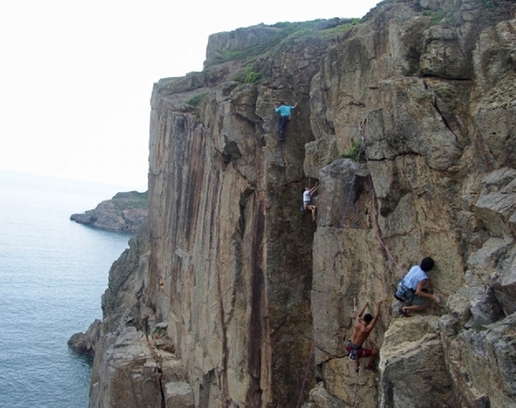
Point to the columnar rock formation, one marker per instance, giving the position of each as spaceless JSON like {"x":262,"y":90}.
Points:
{"x":231,"y":297}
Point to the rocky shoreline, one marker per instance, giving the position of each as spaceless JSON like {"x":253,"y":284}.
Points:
{"x":84,"y":343}
{"x":126,"y":211}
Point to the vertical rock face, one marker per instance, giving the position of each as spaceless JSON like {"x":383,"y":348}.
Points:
{"x":233,"y":298}
{"x":226,"y":272}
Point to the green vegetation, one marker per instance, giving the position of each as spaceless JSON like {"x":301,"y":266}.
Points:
{"x":197,"y":99}
{"x":479,"y":327}
{"x":438,"y":16}
{"x":355,"y":152}
{"x":252,"y":77}
{"x":229,"y":55}
{"x":287,"y":32}
{"x":191,"y":73}
{"x":141,"y":199}
{"x":444,"y":15}
{"x":342,"y":28}
{"x":494,"y":10}
{"x":132,"y":199}
{"x":447,"y":15}
{"x":248,"y":75}
{"x":490,"y":4}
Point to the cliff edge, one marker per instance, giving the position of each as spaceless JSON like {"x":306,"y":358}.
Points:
{"x":232,"y":297}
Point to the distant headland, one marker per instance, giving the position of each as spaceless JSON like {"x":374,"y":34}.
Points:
{"x":124,"y":212}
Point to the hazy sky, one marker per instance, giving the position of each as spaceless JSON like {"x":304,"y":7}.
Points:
{"x":76,"y":76}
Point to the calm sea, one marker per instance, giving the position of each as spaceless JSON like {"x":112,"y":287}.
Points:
{"x":52,"y":274}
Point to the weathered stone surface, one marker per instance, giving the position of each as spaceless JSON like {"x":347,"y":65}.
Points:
{"x":497,"y":202}
{"x":124,"y":212}
{"x":504,"y":283}
{"x":443,"y":56}
{"x":342,"y":382}
{"x":179,"y":395}
{"x":84,"y":343}
{"x":238,"y":40}
{"x":254,"y":294}
{"x":127,"y":358}
{"x":134,"y":373}
{"x":123,"y":302}
{"x":321,"y":398}
{"x":412,"y":349}
{"x":318,"y":154}
{"x":481,"y":363}
{"x":431,"y":4}
{"x":343,"y":186}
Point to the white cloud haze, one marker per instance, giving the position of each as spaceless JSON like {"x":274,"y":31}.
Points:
{"x":76,"y":76}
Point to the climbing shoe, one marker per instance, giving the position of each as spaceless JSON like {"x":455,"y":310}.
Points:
{"x":404,"y":313}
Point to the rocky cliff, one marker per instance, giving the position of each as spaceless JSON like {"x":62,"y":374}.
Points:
{"x":126,"y":211}
{"x":232,"y":297}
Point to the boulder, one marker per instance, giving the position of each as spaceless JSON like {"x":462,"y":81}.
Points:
{"x":84,"y":343}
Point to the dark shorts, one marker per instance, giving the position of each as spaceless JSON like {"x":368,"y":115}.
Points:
{"x":357,"y":351}
{"x":408,"y":296}
{"x":417,"y":300}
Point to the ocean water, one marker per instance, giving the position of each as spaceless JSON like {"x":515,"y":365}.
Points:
{"x":53,"y":272}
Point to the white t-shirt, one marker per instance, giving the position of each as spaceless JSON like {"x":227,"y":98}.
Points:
{"x":414,"y":276}
{"x":307,"y":197}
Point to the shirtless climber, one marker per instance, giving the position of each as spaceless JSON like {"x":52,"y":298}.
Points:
{"x":363,"y":326}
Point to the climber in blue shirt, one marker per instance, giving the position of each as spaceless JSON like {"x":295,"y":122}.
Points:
{"x":285,"y":114}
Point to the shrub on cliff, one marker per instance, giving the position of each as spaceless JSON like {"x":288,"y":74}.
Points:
{"x":248,"y":75}
{"x":197,"y":99}
{"x":355,"y":152}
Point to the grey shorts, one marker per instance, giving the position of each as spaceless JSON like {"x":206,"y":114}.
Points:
{"x":418,"y":301}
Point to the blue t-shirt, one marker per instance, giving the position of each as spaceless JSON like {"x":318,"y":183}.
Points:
{"x":414,"y":276}
{"x":285,"y":110}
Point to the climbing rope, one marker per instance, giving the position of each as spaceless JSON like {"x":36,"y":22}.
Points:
{"x":363,"y":148}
